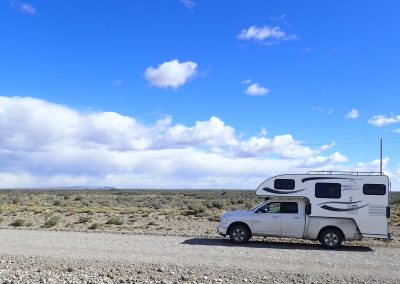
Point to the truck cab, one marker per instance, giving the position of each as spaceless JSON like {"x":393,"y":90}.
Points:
{"x":275,"y":217}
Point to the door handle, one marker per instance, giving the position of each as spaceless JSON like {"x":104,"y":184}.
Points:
{"x":275,"y":217}
{"x":296,"y":217}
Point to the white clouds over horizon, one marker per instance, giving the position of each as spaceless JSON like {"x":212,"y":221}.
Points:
{"x":171,"y":73}
{"x":265,"y":34}
{"x":47,"y":144}
{"x":383,"y":120}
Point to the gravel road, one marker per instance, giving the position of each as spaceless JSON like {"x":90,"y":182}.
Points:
{"x":78,"y":257}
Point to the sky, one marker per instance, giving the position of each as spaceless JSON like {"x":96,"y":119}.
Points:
{"x":195,"y":93}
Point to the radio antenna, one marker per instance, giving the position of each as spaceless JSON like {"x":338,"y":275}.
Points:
{"x":381,"y":170}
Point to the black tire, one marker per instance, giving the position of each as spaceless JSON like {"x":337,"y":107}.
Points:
{"x":239,"y":234}
{"x":331,"y":238}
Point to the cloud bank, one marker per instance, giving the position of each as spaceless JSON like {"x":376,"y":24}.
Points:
{"x":47,"y":144}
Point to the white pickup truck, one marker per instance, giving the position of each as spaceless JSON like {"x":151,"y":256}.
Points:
{"x":325,"y":206}
{"x":286,"y":218}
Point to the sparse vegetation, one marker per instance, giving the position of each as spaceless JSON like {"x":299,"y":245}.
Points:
{"x":18,"y":223}
{"x":94,"y":226}
{"x":155,"y":211}
{"x":51,"y":222}
{"x":84,"y":219}
{"x":115,"y":221}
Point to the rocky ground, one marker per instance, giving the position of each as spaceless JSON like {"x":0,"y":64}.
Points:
{"x":50,"y":270}
{"x":66,"y":257}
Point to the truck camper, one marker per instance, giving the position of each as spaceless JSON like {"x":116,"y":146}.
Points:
{"x":326,"y":206}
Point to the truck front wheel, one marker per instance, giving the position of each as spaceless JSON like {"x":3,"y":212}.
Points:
{"x":239,"y":234}
{"x":331,"y":238}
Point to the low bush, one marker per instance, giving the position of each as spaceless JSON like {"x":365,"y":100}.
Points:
{"x":84,"y":219}
{"x":18,"y":223}
{"x":197,"y":208}
{"x":51,"y":222}
{"x":94,"y":226}
{"x":218,"y":204}
{"x":115,"y":221}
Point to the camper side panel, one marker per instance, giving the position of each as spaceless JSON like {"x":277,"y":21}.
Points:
{"x":361,"y":198}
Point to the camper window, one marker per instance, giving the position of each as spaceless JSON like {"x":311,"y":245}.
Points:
{"x":374,"y":189}
{"x":328,"y":190}
{"x":284,"y":184}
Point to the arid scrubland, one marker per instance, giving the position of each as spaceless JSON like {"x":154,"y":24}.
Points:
{"x":161,"y":212}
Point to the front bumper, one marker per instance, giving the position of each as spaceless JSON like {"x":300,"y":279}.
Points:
{"x":222,"y":230}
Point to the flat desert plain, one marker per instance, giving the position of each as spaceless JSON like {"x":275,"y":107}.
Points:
{"x":152,"y":236}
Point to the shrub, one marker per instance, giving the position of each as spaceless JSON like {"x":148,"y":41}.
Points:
{"x":197,"y":208}
{"x":214,"y":218}
{"x":203,"y":214}
{"x":84,"y":219}
{"x":78,"y":198}
{"x":57,"y":203}
{"x":51,"y":222}
{"x":1,"y":219}
{"x":16,"y":199}
{"x":115,"y":221}
{"x":218,"y":204}
{"x":18,"y":223}
{"x":94,"y":226}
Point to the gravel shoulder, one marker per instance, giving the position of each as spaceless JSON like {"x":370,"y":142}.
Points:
{"x":51,"y":257}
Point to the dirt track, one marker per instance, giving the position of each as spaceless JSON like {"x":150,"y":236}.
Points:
{"x":256,"y":258}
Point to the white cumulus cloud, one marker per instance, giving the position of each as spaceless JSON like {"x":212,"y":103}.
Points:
{"x":383,"y":120}
{"x":256,"y":90}
{"x":211,"y":132}
{"x":353,"y":114}
{"x":264,"y":34}
{"x":171,"y":73}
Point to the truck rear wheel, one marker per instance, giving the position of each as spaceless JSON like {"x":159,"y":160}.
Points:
{"x":331,"y":238}
{"x":239,"y":234}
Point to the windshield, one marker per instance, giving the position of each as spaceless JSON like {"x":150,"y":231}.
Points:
{"x":259,"y":204}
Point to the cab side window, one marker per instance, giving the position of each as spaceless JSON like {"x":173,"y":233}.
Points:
{"x":280,"y":207}
{"x":274,"y":207}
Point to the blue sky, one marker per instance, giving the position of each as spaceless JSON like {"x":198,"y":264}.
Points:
{"x":265,"y":84}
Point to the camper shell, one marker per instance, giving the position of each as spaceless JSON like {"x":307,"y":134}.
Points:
{"x":362,"y":197}
{"x":325,"y":206}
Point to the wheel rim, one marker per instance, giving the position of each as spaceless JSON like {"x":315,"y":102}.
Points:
{"x":331,"y":239}
{"x":238,"y":235}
